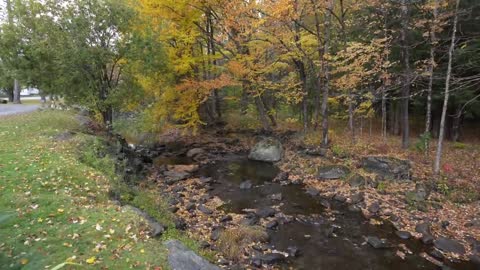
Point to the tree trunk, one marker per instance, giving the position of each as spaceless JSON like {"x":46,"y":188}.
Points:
{"x":385,"y":79}
{"x":320,"y":51}
{"x":438,"y":157}
{"x":391,"y":116}
{"x":384,"y":113}
{"x":324,"y":108}
{"x":16,"y":85}
{"x":16,"y":92}
{"x":351,"y":125}
{"x":457,"y":121}
{"x":433,"y":40}
{"x":407,"y":80}
{"x":267,"y":109}
{"x":244,"y":99}
{"x":10,"y":94}
{"x":396,"y":126}
{"x":303,"y":79}
{"x":262,"y":113}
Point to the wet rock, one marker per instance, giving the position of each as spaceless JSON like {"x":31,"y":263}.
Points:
{"x":394,"y":218}
{"x":475,"y":259}
{"x":272,"y":224}
{"x":216,"y":233}
{"x":423,"y":228}
{"x":181,"y":258}
{"x":293,"y":251}
{"x":268,"y":150}
{"x":207,"y":211}
{"x":436,"y":254}
{"x":190,"y":207}
{"x":354,"y":208}
{"x":180,"y":224}
{"x":177,"y":189}
{"x":356,"y":180}
{"x":257,"y":262}
{"x":272,"y":258}
{"x":358,"y":197}
{"x":226,"y":218}
{"x":374,"y":207}
{"x":172,"y":176}
{"x":473,"y":223}
{"x":403,"y":235}
{"x":387,"y":167}
{"x":281,"y":176}
{"x":250,"y":220}
{"x":260,"y":247}
{"x":276,"y":197}
{"x":340,"y":198}
{"x":195,"y":152}
{"x":246,"y":184}
{"x":332,"y":172}
{"x":421,"y":191}
{"x":173,"y":201}
{"x":205,"y":180}
{"x":176,"y":173}
{"x":445,"y":224}
{"x":329,"y":232}
{"x":376,"y":242}
{"x":266,"y":212}
{"x":318,"y":151}
{"x":427,"y":239}
{"x":312,"y":191}
{"x":449,"y":245}
{"x":222,"y":261}
{"x":204,"y":245}
{"x":325,"y":203}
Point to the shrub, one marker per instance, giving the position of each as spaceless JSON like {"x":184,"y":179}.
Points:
{"x":423,"y":142}
{"x":339,"y":151}
{"x":233,"y":241}
{"x":459,"y":145}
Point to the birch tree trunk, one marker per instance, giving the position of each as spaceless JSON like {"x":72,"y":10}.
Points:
{"x":441,"y":135}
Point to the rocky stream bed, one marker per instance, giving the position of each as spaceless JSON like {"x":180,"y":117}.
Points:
{"x":214,"y":191}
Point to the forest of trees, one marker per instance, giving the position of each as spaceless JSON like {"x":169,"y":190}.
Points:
{"x":190,"y":62}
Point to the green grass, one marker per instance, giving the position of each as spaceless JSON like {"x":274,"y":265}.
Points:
{"x":54,"y":204}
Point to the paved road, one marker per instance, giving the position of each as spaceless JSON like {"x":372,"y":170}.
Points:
{"x":8,"y":109}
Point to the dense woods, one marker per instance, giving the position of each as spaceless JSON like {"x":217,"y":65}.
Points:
{"x":200,"y":63}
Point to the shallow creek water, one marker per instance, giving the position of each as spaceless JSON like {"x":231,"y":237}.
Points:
{"x":311,"y":232}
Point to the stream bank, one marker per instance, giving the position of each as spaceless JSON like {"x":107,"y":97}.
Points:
{"x":214,"y":190}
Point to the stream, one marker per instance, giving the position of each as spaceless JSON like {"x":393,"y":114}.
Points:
{"x":333,"y":239}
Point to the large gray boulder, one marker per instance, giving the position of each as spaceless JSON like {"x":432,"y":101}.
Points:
{"x":182,"y":258}
{"x":387,"y":167}
{"x":332,"y":172}
{"x":449,"y":245}
{"x":268,"y":150}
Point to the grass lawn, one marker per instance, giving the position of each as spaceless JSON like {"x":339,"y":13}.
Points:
{"x":55,"y":208}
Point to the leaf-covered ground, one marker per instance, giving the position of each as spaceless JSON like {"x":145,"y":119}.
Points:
{"x":55,"y":208}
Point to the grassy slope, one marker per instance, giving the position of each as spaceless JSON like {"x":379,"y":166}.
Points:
{"x":54,"y":208}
